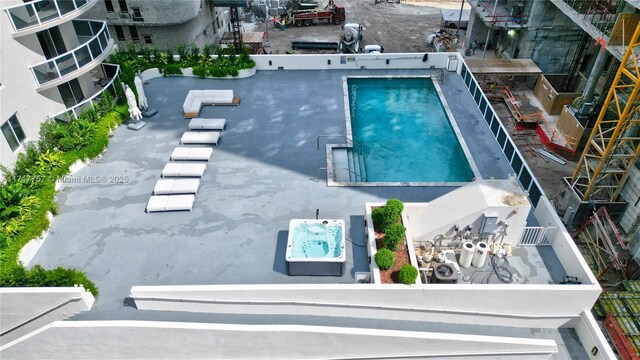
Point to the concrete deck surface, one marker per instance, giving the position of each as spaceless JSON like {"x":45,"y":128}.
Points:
{"x":257,"y":180}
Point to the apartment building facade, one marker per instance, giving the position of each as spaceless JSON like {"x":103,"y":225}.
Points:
{"x":52,"y":67}
{"x":163,"y":23}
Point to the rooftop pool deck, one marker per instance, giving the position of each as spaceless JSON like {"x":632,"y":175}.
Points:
{"x":260,"y":176}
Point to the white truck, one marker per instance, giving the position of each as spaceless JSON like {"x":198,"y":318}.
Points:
{"x":350,"y":38}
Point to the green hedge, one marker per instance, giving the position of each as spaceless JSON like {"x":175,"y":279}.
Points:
{"x":389,"y":214}
{"x":393,"y":236}
{"x":28,"y":191}
{"x":407,"y":274}
{"x":132,"y":58}
{"x":384,"y":258}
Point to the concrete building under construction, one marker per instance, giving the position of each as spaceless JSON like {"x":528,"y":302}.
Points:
{"x":578,"y":45}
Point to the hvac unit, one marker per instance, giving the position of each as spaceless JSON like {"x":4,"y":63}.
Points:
{"x":444,"y":274}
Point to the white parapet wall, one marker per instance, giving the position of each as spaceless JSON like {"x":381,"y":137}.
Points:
{"x":156,"y":340}
{"x":592,"y":338}
{"x":563,"y":245}
{"x":531,"y":306}
{"x":356,"y":61}
{"x":23,"y":310}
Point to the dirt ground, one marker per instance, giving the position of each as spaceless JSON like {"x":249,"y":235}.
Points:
{"x":548,"y":172}
{"x":403,"y":28}
{"x":396,"y":27}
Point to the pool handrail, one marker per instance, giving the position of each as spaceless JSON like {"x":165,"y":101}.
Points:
{"x":340,"y":136}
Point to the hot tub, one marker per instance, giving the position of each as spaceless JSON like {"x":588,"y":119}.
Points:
{"x":316,"y":247}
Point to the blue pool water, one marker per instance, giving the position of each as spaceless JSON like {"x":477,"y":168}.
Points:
{"x":316,"y":241}
{"x":405,"y":131}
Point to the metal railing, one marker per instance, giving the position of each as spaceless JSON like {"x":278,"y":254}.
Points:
{"x":494,"y":17}
{"x":500,"y":133}
{"x":36,"y":13}
{"x":77,"y":109}
{"x":537,"y":236}
{"x":317,"y":178}
{"x":64,"y":64}
{"x":339,"y":136}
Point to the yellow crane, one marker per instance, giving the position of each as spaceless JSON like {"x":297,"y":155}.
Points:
{"x":614,"y":143}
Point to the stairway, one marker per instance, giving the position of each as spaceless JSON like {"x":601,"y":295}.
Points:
{"x":356,"y":165}
{"x":346,"y":158}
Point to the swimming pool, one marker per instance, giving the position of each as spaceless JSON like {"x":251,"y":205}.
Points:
{"x":408,"y":136}
{"x":315,"y":247}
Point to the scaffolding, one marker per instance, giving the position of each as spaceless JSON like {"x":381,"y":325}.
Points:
{"x":614,"y":145}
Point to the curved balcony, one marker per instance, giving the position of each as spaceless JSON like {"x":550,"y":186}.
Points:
{"x":104,"y":81}
{"x":30,"y":17}
{"x":73,"y":63}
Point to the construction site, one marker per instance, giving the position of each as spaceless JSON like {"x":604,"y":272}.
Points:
{"x":563,"y":77}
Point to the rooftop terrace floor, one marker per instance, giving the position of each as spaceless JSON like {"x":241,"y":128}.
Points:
{"x":257,"y":180}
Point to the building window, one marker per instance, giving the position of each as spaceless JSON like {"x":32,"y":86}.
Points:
{"x":13,"y":132}
{"x":109,"y":6}
{"x":51,"y":42}
{"x":137,"y":14}
{"x":134,"y":33}
{"x":147,"y":39}
{"x":123,"y":6}
{"x":71,"y":93}
{"x":119,"y":33}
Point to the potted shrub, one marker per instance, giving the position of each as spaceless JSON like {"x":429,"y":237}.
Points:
{"x":384,"y":258}
{"x":390,"y":237}
{"x":407,"y":274}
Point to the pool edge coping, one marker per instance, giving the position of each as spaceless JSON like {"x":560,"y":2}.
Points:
{"x":349,"y":136}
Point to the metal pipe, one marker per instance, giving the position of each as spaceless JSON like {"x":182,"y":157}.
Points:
{"x":486,"y":42}
{"x":594,"y":75}
{"x":460,"y":18}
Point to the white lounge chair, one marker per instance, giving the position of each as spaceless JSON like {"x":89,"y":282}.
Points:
{"x":200,"y":137}
{"x":191,"y":153}
{"x":183,"y":170}
{"x":207,"y":124}
{"x":159,"y":203}
{"x":176,"y":186}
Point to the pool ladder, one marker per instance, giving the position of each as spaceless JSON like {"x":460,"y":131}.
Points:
{"x":355,"y":159}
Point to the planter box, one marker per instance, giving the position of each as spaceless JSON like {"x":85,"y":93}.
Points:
{"x":372,"y":248}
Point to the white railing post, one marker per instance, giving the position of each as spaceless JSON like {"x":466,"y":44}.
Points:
{"x":55,"y":65}
{"x":33,"y":7}
{"x":55,"y":2}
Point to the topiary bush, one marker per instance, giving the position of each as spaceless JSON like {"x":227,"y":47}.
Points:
{"x":387,"y":215}
{"x":384,"y":258}
{"x":393,"y":236}
{"x":394,"y":207}
{"x":407,"y":274}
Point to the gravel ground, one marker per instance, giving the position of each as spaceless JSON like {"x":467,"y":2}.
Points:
{"x":397,"y":27}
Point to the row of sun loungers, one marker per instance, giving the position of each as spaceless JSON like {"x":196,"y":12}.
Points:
{"x":181,"y":178}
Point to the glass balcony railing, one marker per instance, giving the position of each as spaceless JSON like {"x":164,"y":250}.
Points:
{"x":105,"y":81}
{"x":36,"y":13}
{"x":95,"y":40}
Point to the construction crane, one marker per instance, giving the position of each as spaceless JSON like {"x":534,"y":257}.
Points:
{"x":614,"y":144}
{"x":233,"y":6}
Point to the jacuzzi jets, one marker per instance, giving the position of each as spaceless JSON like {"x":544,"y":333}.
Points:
{"x":315,"y":247}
